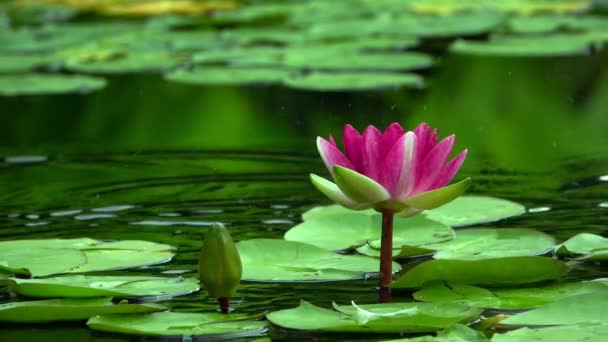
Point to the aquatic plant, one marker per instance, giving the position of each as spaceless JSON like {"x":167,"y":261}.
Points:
{"x":220,"y":265}
{"x":395,"y":172}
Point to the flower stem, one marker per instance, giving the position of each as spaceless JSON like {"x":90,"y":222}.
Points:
{"x":386,"y":251}
{"x":224,"y":304}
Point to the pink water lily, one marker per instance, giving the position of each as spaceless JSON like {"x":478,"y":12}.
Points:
{"x":395,"y":172}
{"x":399,"y":171}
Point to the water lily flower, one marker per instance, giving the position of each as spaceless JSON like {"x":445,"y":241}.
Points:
{"x":398,"y":171}
{"x":395,"y":172}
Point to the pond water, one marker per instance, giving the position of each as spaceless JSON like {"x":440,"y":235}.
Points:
{"x":152,"y":160}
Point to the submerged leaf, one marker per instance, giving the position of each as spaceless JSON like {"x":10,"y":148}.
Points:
{"x":349,"y":81}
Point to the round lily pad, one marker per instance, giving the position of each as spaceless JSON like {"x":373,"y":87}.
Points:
{"x":100,"y":286}
{"x":491,"y":272}
{"x":470,"y":210}
{"x":349,"y":81}
{"x":209,"y":325}
{"x":587,"y":308}
{"x":507,"y":298}
{"x":72,"y":309}
{"x":338,"y":59}
{"x":228,"y":75}
{"x":586,"y":245}
{"x":46,"y":257}
{"x":34,"y":84}
{"x":333,"y":209}
{"x":516,"y":46}
{"x":374,"y":318}
{"x":291,"y":261}
{"x":353,"y":229}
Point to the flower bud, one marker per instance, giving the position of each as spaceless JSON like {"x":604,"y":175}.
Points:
{"x":220,"y":267}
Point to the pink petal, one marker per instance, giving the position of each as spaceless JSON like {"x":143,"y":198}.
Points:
{"x":332,"y":141}
{"x":331,"y":155}
{"x":449,"y":170}
{"x":422,"y":140}
{"x":390,"y":136}
{"x":391,"y":167}
{"x":352,"y":145}
{"x":407,"y":176}
{"x":428,"y":169}
{"x":370,"y":158}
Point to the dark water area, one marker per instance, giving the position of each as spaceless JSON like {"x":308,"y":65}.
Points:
{"x":152,"y":160}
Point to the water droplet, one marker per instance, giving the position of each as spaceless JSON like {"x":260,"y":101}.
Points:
{"x":603,"y":178}
{"x":603,"y":205}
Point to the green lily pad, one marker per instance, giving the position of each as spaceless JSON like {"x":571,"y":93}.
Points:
{"x":228,"y":75}
{"x":574,"y":333}
{"x":131,"y":62}
{"x":22,"y":63}
{"x":291,"y":261}
{"x":333,"y":209}
{"x":490,"y":272}
{"x":470,"y":210}
{"x":35,"y":84}
{"x":241,"y":56}
{"x":100,"y":286}
{"x":374,"y":318}
{"x":590,"y":246}
{"x":588,"y":308}
{"x":46,"y":257}
{"x":508,"y":298}
{"x":454,"y":333}
{"x":532,"y":46}
{"x":474,"y":244}
{"x":349,"y":81}
{"x":353,"y":229}
{"x":549,"y":23}
{"x":484,"y":243}
{"x":338,"y":59}
{"x":186,"y":324}
{"x":55,"y":310}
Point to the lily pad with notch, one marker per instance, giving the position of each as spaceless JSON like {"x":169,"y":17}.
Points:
{"x":71,"y":309}
{"x":270,"y":260}
{"x":354,"y":229}
{"x":374,"y":318}
{"x":83,"y":286}
{"x":209,"y":325}
{"x":40,"y":258}
{"x":586,"y":246}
